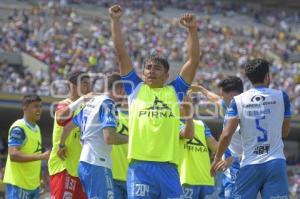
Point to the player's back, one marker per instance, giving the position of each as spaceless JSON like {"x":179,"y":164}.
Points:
{"x":261,"y":114}
{"x":94,"y":149}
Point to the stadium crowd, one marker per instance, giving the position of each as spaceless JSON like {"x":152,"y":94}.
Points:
{"x":62,"y":39}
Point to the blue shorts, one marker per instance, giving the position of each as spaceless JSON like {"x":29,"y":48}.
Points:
{"x":120,"y":189}
{"x":228,"y":181}
{"x":196,"y":191}
{"x":270,"y":178}
{"x":96,"y":180}
{"x":14,"y":192}
{"x":153,"y":180}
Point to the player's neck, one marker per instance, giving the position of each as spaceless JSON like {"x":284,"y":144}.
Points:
{"x":156,"y":85}
{"x":29,"y":120}
{"x":258,"y":85}
{"x":73,"y":97}
{"x":109,"y":94}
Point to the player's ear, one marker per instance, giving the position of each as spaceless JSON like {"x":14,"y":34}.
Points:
{"x":24,"y":108}
{"x":167,"y":76}
{"x":267,"y":78}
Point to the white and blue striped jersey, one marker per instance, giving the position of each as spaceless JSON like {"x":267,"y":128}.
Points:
{"x":99,"y":113}
{"x":261,"y":112}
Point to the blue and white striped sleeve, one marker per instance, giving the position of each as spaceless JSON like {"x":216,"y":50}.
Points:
{"x":78,"y":118}
{"x":16,"y":137}
{"x":207,"y":132}
{"x":108,"y":114}
{"x":287,"y":105}
{"x":232,"y":109}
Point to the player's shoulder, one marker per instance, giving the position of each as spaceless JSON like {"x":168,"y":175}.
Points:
{"x":275,"y":93}
{"x":65,"y":102}
{"x":18,"y":123}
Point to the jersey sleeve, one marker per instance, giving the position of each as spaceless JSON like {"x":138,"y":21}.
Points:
{"x":180,"y":86}
{"x":107,"y":114}
{"x":78,"y":118}
{"x":232,"y":109}
{"x":287,"y":105}
{"x":16,"y":137}
{"x":223,"y":104}
{"x":130,"y":81}
{"x":207,"y":132}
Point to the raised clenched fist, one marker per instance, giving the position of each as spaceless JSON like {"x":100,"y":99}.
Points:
{"x":188,"y":20}
{"x":115,"y":12}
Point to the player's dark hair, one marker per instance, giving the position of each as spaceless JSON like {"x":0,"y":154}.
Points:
{"x":232,"y":83}
{"x":156,"y":59}
{"x":27,"y":99}
{"x":73,"y":77}
{"x":113,"y":79}
{"x":256,"y":70}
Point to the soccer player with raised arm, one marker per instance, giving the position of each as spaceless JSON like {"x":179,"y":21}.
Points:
{"x":264,"y":118}
{"x":154,"y":114}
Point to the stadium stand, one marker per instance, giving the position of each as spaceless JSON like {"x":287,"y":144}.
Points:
{"x":67,"y":39}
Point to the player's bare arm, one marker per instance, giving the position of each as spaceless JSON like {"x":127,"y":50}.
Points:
{"x":286,"y":127}
{"x":212,"y":144}
{"x":211,"y":96}
{"x":113,"y":138}
{"x":224,"y":142}
{"x":18,"y":156}
{"x":66,"y":112}
{"x":116,"y":13}
{"x":189,"y":68}
{"x":62,"y":149}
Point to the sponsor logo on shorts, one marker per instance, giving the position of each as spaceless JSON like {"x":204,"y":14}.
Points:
{"x":110,"y":195}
